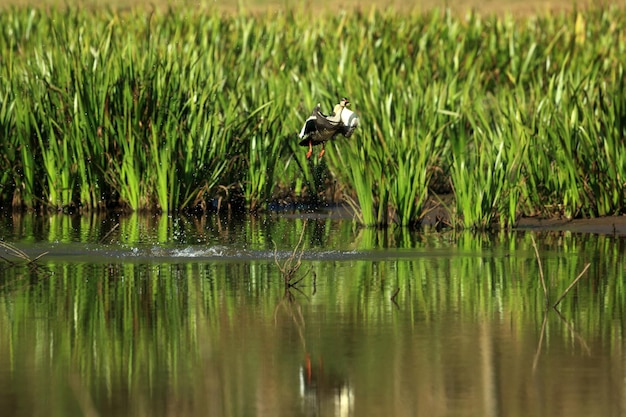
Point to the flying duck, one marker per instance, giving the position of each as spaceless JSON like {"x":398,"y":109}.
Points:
{"x":319,"y":128}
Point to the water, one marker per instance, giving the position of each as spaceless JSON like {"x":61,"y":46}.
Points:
{"x":175,"y":316}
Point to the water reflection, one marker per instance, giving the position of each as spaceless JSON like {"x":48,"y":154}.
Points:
{"x":93,"y":331}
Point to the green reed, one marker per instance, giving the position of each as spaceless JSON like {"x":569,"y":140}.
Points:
{"x":172,"y":110}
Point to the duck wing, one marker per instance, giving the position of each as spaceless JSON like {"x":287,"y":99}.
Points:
{"x":309,"y":128}
{"x":318,"y":128}
{"x":309,"y":124}
{"x":347,"y":131}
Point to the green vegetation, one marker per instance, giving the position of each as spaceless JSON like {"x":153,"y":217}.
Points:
{"x":180,"y":110}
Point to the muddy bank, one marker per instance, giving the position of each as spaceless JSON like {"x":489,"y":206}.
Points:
{"x":613,"y":225}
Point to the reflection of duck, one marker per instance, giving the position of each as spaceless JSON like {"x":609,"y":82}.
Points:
{"x":325,"y":393}
{"x":319,"y":128}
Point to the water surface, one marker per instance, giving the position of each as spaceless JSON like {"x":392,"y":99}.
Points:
{"x":177,"y":316}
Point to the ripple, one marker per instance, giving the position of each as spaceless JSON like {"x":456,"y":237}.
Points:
{"x":76,"y":252}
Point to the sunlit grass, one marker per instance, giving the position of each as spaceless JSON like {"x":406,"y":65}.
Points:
{"x":169,"y":110}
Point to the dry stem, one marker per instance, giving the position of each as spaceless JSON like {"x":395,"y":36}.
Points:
{"x":288,"y":269}
{"x":571,"y":286}
{"x":543,"y":281}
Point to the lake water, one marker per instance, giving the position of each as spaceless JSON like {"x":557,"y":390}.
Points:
{"x":190,"y":316}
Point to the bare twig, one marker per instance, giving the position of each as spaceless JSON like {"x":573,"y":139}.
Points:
{"x":300,"y":279}
{"x":7,"y":260}
{"x":571,"y":286}
{"x":394,"y":297}
{"x":85,"y":402}
{"x":36,"y":258}
{"x":109,"y":233}
{"x":573,"y":331}
{"x":543,"y":281}
{"x":540,"y":344}
{"x":18,"y":253}
{"x":291,"y":306}
{"x":293,"y":263}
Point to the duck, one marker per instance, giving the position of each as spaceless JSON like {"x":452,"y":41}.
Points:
{"x":320,"y":128}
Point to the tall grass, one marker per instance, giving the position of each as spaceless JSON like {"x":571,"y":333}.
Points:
{"x":175,"y":110}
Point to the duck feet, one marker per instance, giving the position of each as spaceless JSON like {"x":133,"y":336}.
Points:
{"x":321,"y":152}
{"x":308,"y":154}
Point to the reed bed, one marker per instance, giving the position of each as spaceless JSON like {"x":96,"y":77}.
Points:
{"x":181,"y":110}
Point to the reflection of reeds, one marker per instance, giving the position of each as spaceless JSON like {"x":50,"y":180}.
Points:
{"x":210,"y":316}
{"x":516,"y":119}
